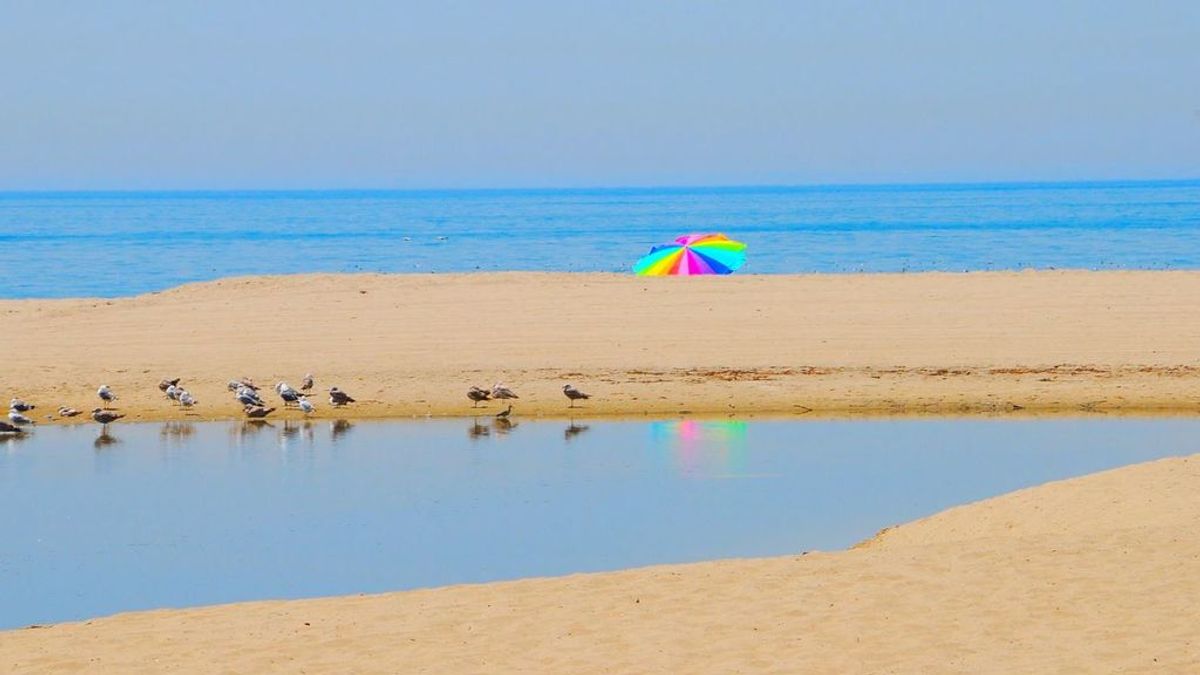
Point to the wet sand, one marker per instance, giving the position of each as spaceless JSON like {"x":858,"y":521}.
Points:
{"x":1094,"y":574}
{"x":1042,"y":342}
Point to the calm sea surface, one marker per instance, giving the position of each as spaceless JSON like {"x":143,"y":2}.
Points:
{"x":180,"y":514}
{"x":113,"y":244}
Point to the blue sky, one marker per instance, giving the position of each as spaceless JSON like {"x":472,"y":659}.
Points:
{"x":136,"y":95}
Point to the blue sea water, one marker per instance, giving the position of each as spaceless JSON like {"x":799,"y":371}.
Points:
{"x":115,"y":244}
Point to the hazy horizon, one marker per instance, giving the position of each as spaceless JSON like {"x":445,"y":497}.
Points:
{"x":219,"y":96}
{"x":816,"y":187}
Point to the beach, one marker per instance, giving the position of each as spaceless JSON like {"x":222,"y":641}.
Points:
{"x":411,"y":345}
{"x":1093,"y":574}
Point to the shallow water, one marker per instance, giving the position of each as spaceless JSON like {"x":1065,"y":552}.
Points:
{"x":114,"y":244}
{"x":182,"y":514}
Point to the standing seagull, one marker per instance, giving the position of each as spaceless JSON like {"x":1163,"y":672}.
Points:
{"x":574,"y":394}
{"x":338,"y":398}
{"x":105,"y":417}
{"x":106,"y":395}
{"x":306,"y":407}
{"x":20,"y":406}
{"x":476,"y":395}
{"x":501,"y":392}
{"x":307,"y":383}
{"x":286,"y":393}
{"x":18,"y":419}
{"x":173,"y":392}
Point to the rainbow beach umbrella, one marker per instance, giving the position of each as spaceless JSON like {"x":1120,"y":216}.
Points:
{"x":693,"y":254}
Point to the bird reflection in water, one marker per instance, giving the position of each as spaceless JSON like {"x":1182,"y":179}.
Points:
{"x":293,"y":430}
{"x":503,"y":425}
{"x":9,"y":440}
{"x":105,"y":439}
{"x":477,"y":430}
{"x":574,"y":430}
{"x":176,"y":431}
{"x":245,"y":428}
{"x":339,"y":427}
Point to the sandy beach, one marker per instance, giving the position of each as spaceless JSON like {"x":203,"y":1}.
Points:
{"x":1094,"y":574}
{"x":1027,"y":342}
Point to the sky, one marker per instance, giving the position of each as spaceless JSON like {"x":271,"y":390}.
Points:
{"x":296,"y":94}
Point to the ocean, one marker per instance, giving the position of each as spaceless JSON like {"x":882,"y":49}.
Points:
{"x":124,"y":243}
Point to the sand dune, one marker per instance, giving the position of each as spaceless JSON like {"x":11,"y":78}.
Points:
{"x":832,"y":344}
{"x":1096,"y":574}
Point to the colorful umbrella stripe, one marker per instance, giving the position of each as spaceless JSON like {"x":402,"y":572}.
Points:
{"x":693,"y":254}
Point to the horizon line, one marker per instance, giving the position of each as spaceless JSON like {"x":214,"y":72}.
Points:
{"x":614,"y":188}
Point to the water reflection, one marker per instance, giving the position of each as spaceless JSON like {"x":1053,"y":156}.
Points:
{"x":708,"y":448}
{"x":338,"y":428}
{"x":574,"y":430}
{"x":477,"y":431}
{"x":105,"y":439}
{"x":503,"y":425}
{"x":295,"y":432}
{"x":176,"y":431}
{"x":10,"y":440}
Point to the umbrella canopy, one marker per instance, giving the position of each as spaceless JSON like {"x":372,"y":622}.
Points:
{"x":693,"y":254}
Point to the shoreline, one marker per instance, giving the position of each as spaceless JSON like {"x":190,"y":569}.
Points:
{"x":1048,"y":342}
{"x":1022,"y":581}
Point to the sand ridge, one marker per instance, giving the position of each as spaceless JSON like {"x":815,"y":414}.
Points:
{"x":1047,"y":341}
{"x":1093,"y":574}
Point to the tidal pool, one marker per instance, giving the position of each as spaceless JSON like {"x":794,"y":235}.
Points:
{"x":181,"y":514}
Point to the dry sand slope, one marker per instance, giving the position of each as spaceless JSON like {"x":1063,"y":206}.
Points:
{"x":412,"y":344}
{"x":1096,"y":574}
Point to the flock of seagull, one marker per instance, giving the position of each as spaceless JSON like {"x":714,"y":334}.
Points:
{"x":246,"y":392}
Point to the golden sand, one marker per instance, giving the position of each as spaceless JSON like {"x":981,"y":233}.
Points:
{"x":826,"y":344}
{"x":1095,"y":574}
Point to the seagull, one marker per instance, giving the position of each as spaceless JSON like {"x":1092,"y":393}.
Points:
{"x":247,"y":383}
{"x":574,"y":394}
{"x":20,"y":406}
{"x":164,"y":385}
{"x":339,"y":398}
{"x":64,"y":411}
{"x":106,"y":394}
{"x":173,"y":392}
{"x":186,"y":400}
{"x":234,"y":385}
{"x":19,"y":419}
{"x":6,"y":428}
{"x":476,"y":394}
{"x":247,"y":396}
{"x":286,"y":393}
{"x":306,"y":407}
{"x":105,"y":417}
{"x":503,"y":414}
{"x":501,"y":391}
{"x":257,"y":411}
{"x":307,"y":383}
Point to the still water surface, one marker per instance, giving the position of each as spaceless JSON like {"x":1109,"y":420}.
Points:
{"x":177,"y":514}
